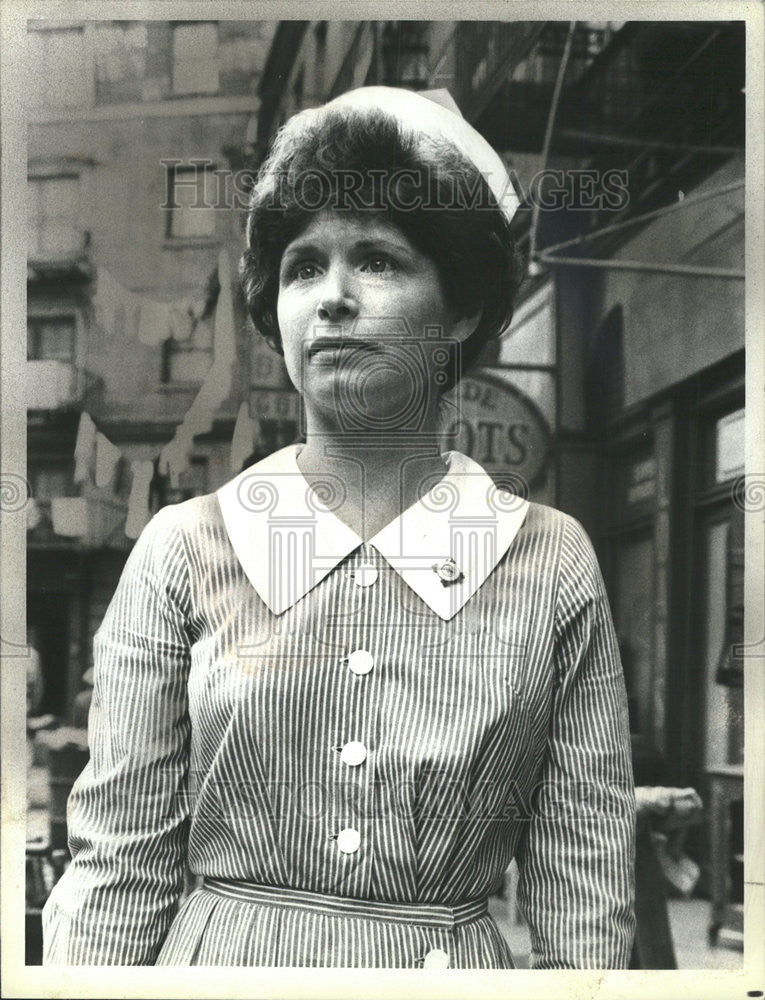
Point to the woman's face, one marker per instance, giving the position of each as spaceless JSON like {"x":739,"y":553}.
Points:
{"x":363,"y":320}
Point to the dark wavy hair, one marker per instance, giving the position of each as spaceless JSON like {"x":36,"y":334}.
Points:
{"x":362,"y":162}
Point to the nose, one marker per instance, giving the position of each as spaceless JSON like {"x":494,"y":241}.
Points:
{"x":336,"y":299}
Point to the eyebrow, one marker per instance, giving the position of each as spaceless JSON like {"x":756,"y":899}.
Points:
{"x":298,"y":246}
{"x":369,"y":244}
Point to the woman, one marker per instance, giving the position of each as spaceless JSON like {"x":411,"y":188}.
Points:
{"x":349,"y":687}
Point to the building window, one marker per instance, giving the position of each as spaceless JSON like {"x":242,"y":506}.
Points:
{"x":53,"y":211}
{"x":50,"y":481}
{"x":188,"y":361}
{"x":195,"y":58}
{"x":58,"y":72}
{"x":728,"y":448}
{"x":51,"y":338}
{"x":192,"y":197}
{"x":120,"y":61}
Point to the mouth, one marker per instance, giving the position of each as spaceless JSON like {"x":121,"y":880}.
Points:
{"x":330,"y":344}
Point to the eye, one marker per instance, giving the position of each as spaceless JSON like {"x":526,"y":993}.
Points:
{"x":379,"y":263}
{"x":303,"y":272}
{"x":299,"y":270}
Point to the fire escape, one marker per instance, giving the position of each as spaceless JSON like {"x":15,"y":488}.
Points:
{"x":662,"y":102}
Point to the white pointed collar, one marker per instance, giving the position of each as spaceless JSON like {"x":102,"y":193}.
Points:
{"x":288,"y":539}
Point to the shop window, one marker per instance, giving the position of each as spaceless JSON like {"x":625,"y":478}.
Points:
{"x":195,"y":58}
{"x":58,"y":72}
{"x":51,"y":338}
{"x":724,"y":712}
{"x":632,"y":561}
{"x":721,"y":536}
{"x":716,"y":651}
{"x":728,"y":446}
{"x":191,"y":198}
{"x":53,"y":212}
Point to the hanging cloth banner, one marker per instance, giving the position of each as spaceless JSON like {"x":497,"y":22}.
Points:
{"x":107,"y":456}
{"x":107,"y":299}
{"x":216,"y":386}
{"x":69,"y":516}
{"x":138,"y":506}
{"x":154,"y":322}
{"x":117,"y":308}
{"x":243,"y":439}
{"x":84,"y":448}
{"x":181,"y":321}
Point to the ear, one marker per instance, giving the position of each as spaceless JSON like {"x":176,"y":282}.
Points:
{"x":463,"y":326}
{"x":273,"y":343}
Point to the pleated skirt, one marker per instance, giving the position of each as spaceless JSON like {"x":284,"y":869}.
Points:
{"x":289,"y":928}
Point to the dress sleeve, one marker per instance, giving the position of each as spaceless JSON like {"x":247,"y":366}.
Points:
{"x":576,"y":864}
{"x":127,"y":814}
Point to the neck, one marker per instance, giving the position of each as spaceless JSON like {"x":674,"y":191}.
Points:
{"x":377,"y":474}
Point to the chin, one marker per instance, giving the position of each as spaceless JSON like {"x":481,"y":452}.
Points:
{"x":380,"y":405}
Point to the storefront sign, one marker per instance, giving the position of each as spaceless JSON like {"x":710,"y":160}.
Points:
{"x":500,"y":428}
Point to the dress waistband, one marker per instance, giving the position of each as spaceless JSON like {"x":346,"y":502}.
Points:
{"x":428,"y":914}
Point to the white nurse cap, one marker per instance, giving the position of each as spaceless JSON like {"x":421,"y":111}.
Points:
{"x":433,"y":115}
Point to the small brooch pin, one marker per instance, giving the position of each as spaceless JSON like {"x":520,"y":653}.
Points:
{"x":448,"y":572}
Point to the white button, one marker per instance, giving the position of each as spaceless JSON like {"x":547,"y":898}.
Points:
{"x":436,"y":959}
{"x":353,"y":753}
{"x":365,"y":576}
{"x":360,"y":661}
{"x":348,"y":840}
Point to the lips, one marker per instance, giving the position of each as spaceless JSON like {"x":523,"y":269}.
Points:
{"x":324,"y":344}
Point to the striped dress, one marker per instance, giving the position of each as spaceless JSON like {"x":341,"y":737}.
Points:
{"x":349,"y":741}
